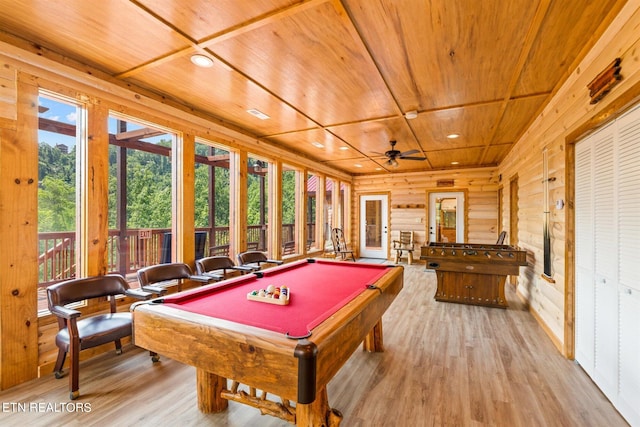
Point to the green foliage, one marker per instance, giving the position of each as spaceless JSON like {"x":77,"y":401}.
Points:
{"x":149,"y":198}
{"x":56,"y":189}
{"x":289,"y":197}
{"x":254,"y":182}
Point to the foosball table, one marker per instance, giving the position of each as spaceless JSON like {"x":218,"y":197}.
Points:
{"x":470,"y":273}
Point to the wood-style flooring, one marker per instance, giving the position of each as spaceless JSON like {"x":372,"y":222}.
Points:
{"x":444,"y":365}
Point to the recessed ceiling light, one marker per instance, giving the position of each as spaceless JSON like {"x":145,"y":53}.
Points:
{"x":411,"y":114}
{"x":344,"y":147}
{"x":201,"y":60}
{"x":455,"y":163}
{"x":259,"y":114}
{"x":378,"y":169}
{"x":453,"y":135}
{"x":317,"y":144}
{"x":358,"y":165}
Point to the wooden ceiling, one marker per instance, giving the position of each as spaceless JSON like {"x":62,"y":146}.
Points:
{"x":340,"y":74}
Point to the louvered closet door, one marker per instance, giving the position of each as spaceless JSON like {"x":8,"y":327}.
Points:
{"x":584,"y":266}
{"x":629,"y":262}
{"x":607,"y":264}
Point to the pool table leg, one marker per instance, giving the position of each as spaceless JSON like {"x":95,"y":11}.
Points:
{"x":318,"y":412}
{"x":373,"y":341}
{"x":210,"y":387}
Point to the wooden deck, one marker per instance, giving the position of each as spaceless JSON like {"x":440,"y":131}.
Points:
{"x":444,"y":364}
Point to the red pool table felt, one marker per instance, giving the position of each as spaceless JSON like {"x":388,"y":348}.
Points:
{"x":317,"y":290}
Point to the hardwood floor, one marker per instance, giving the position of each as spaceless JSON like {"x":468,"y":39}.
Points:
{"x":444,"y":364}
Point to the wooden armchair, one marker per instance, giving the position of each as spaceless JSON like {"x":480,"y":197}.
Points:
{"x":404,"y":244}
{"x":217,"y":267}
{"x":340,"y":245}
{"x":79,"y":333}
{"x":153,"y":277}
{"x":255,"y":259}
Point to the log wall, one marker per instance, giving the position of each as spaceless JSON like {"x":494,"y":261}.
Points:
{"x":568,"y":117}
{"x":408,"y":204}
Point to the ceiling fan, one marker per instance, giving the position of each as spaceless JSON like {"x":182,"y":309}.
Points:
{"x":394,"y":154}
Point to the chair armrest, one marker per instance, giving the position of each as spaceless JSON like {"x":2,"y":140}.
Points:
{"x":204,"y":278}
{"x":214,"y":276}
{"x":139,"y":294}
{"x":242,"y":268}
{"x":154,"y":289}
{"x":274,"y":261}
{"x":64,"y":312}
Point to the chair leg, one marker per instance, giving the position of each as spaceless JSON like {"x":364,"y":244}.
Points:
{"x":409,"y":257}
{"x":74,"y":368}
{"x":118,"y":347}
{"x":397,"y":257}
{"x":57,"y":371}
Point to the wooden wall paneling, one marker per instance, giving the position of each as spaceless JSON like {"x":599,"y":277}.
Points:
{"x":301,"y":209}
{"x":8,"y":93}
{"x":183,"y":194}
{"x":567,"y":116}
{"x":19,"y":235}
{"x":411,"y":188}
{"x":275,"y":210}
{"x":238,"y":208}
{"x":94,"y":190}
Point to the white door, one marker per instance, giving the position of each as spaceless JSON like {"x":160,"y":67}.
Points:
{"x":446,"y":217}
{"x":373,"y":226}
{"x":607,"y":243}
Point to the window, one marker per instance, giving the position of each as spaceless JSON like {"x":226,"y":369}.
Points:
{"x":312,"y":211}
{"x":328,"y":212}
{"x":257,"y":204}
{"x":290,"y":205}
{"x":212,"y":198}
{"x":58,"y":141}
{"x":139,"y":196}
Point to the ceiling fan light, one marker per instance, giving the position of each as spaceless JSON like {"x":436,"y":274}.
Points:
{"x":393,"y":163}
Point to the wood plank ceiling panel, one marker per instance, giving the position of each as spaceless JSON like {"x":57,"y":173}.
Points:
{"x":312,"y":60}
{"x":341,"y":73}
{"x":112,"y":36}
{"x":569,"y":27}
{"x":202,"y":19}
{"x":317,"y":143}
{"x":372,"y":137}
{"x":441,"y":53}
{"x":228,"y":94}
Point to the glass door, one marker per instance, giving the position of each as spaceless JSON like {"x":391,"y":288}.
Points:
{"x":446,"y":217}
{"x":373,"y":226}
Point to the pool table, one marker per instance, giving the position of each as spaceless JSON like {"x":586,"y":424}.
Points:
{"x":291,"y":351}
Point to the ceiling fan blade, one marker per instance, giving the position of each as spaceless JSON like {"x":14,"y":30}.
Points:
{"x":413,"y":158}
{"x":406,"y":153}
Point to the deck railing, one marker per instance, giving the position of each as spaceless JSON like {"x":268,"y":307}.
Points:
{"x":135,"y":249}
